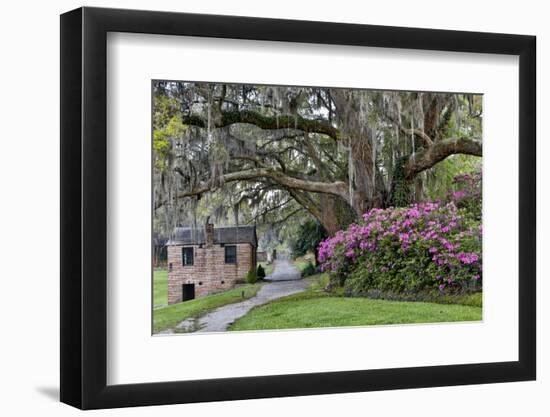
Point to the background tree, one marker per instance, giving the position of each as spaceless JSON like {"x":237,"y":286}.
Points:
{"x":307,"y":238}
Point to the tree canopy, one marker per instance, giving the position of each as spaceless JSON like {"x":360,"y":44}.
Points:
{"x":270,"y":155}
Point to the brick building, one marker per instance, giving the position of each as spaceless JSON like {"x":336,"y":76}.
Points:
{"x":203,"y":261}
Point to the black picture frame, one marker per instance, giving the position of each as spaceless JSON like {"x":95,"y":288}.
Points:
{"x":84,"y":207}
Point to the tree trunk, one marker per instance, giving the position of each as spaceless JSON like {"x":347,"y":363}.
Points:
{"x":335,"y":213}
{"x":353,"y":111}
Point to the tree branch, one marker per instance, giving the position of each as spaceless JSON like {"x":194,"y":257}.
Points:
{"x":255,"y":192}
{"x":338,"y":188}
{"x":281,"y":135}
{"x":269,"y":210}
{"x":305,"y":201}
{"x":284,"y":219}
{"x":438,"y":151}
{"x":251,"y":159}
{"x":417,"y":132}
{"x":265,"y":122}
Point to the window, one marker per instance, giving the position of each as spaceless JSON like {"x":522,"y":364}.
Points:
{"x":187,"y":256}
{"x":230,"y":254}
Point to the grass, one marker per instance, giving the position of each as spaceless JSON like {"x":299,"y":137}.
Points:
{"x":317,"y":283}
{"x":430,"y":296}
{"x":472,"y":300}
{"x":160,"y":287}
{"x":169,"y":316}
{"x":315,"y":308}
{"x":302,"y":262}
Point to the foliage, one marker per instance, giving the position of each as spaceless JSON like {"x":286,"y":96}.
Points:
{"x":272,"y":155}
{"x":439,"y":179}
{"x":169,"y":316}
{"x":401,"y":187}
{"x":301,"y":263}
{"x":260,"y":272}
{"x":167,"y":128}
{"x":467,"y":194}
{"x":318,"y":284}
{"x":474,"y":299}
{"x":164,"y":109}
{"x":309,"y":270}
{"x":251,"y":276}
{"x":426,"y":246}
{"x":310,"y":233}
{"x":268,"y":268}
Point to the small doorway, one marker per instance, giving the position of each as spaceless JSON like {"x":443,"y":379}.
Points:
{"x":187,"y":292}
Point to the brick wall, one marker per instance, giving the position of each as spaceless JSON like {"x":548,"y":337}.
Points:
{"x":209,"y":271}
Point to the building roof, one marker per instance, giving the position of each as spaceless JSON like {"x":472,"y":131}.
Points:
{"x":222,"y":235}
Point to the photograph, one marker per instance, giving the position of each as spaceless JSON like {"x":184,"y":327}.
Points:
{"x":297,"y":207}
{"x":266,"y":209}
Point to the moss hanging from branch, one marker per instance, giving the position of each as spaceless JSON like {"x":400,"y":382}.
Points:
{"x":401,"y":188}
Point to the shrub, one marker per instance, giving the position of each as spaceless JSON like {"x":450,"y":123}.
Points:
{"x":421,"y":247}
{"x":307,"y":238}
{"x":472,"y":299}
{"x":466,"y":194}
{"x":251,"y":276}
{"x":260,"y":273}
{"x":309,"y":270}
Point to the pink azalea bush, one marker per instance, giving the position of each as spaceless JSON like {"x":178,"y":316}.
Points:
{"x":466,"y":194}
{"x":426,"y":246}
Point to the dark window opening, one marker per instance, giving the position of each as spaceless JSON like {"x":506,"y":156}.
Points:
{"x":187,"y":292}
{"x":170,"y":266}
{"x":187,"y":256}
{"x":230,"y":254}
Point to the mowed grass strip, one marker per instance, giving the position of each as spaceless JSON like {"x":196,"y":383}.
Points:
{"x":169,"y":316}
{"x":160,"y":287}
{"x":338,"y":312}
{"x":315,"y":308}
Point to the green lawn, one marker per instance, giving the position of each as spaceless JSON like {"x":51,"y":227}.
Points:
{"x":160,"y":287}
{"x":302,"y":262}
{"x":314,"y":308}
{"x":169,"y":316}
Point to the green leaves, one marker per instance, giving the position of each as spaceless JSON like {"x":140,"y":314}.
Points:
{"x":260,"y":272}
{"x":164,"y":138}
{"x":309,"y":235}
{"x":251,"y":277}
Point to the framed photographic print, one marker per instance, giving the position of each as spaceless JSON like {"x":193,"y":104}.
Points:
{"x":257,"y":208}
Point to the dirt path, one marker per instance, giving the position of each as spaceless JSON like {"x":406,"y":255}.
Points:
{"x":285,"y":280}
